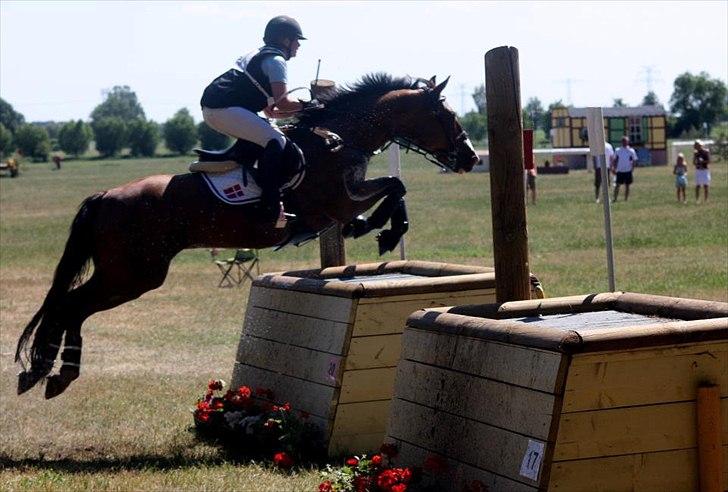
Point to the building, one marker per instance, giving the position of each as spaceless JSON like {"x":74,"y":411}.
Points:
{"x":644,"y":125}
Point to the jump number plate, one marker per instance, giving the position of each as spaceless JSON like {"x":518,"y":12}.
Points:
{"x":531,"y":463}
{"x":332,"y":369}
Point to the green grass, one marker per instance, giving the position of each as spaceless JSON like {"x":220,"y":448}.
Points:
{"x":125,"y":424}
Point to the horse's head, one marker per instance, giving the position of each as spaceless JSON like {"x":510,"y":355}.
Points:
{"x":429,"y":125}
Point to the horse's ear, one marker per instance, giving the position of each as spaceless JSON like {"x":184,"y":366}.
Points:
{"x":440,"y":87}
{"x":431,"y":83}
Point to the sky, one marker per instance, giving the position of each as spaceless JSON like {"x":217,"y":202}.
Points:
{"x":57,"y":58}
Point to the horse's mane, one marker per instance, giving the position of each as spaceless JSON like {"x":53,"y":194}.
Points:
{"x":347,"y":98}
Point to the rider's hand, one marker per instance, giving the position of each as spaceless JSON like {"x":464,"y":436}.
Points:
{"x":312,"y":104}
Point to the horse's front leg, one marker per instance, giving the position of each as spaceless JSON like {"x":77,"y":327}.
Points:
{"x":364,"y":195}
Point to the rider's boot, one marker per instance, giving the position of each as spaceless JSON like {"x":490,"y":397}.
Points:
{"x":268,"y":180}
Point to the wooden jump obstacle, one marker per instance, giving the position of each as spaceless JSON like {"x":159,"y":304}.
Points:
{"x":328,"y":341}
{"x":596,"y":392}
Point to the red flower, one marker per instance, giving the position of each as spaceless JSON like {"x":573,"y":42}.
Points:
{"x":386,"y":479}
{"x":435,"y":464}
{"x":282,"y":460}
{"x":270,"y":424}
{"x":202,"y":415}
{"x":377,"y":459}
{"x":400,"y":487}
{"x":286,"y":407}
{"x":215,"y":384}
{"x":325,"y":486}
{"x":217,"y":403}
{"x":352,"y":462}
{"x":362,"y":483}
{"x":389,"y":450}
{"x":245,"y":392}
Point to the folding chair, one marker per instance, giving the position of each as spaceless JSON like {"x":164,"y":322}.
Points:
{"x":236,"y":270}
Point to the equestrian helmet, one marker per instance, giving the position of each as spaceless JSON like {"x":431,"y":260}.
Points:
{"x":282,"y":27}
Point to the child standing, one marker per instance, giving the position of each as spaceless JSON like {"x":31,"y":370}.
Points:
{"x":681,"y":177}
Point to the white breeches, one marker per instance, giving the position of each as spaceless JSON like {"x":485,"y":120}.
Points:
{"x":239,"y":122}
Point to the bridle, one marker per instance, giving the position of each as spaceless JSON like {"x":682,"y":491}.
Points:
{"x":430,"y":155}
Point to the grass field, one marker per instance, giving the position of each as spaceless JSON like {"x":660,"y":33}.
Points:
{"x":125,"y":424}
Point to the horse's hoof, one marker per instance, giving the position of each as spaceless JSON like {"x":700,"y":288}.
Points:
{"x":28,"y":379}
{"x":57,"y":384}
{"x":387,"y":241}
{"x":356,"y":228}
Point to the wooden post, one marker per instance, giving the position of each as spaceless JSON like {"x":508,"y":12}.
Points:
{"x":332,"y":247}
{"x":505,"y":145}
{"x":710,"y":454}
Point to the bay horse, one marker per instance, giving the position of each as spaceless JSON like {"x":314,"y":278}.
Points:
{"x":132,"y":232}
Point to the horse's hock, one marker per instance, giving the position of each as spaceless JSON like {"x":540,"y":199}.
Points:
{"x":328,"y":341}
{"x":598,"y":392}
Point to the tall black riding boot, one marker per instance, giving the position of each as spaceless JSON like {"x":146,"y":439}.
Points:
{"x":268,"y":180}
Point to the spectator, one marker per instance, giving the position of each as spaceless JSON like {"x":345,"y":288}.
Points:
{"x":57,"y":161}
{"x":608,"y":158}
{"x":531,"y":183}
{"x":701,"y":159}
{"x":624,"y":160}
{"x":681,"y":177}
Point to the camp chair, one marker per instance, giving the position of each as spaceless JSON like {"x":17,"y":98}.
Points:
{"x":237,"y":269}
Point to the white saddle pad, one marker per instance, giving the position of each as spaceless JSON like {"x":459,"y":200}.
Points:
{"x":230,"y":188}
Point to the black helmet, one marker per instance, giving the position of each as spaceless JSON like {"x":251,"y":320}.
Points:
{"x":282,"y":27}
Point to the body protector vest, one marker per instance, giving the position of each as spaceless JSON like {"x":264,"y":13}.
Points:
{"x":244,"y":85}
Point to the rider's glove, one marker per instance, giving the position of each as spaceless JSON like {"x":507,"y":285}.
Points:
{"x":312,"y":104}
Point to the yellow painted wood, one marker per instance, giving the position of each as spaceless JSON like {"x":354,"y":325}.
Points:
{"x":303,"y":303}
{"x":389,"y":317}
{"x":376,"y":351}
{"x":674,"y":471}
{"x":630,"y":430}
{"x":436,"y":296}
{"x":367,"y":384}
{"x":355,"y":444}
{"x":361,"y":418}
{"x":643,"y":377}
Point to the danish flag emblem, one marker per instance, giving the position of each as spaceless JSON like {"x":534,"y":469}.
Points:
{"x":235,"y":191}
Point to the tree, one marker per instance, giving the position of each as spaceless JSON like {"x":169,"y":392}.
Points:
{"x":533,"y":114}
{"x":210,"y":139}
{"x":9,"y":118}
{"x":474,"y":123}
{"x":143,"y":138}
{"x":110,"y":135}
{"x":6,"y":141}
{"x":120,"y":103}
{"x":180,"y":133}
{"x":651,"y":99}
{"x":698,"y":100}
{"x":75,"y":137}
{"x":33,"y":142}
{"x":479,"y":98}
{"x":619,"y":103}
{"x":546,"y":119}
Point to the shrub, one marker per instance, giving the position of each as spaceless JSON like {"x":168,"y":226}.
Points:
{"x":75,"y":137}
{"x":110,"y":135}
{"x":6,"y":141}
{"x":143,"y":138}
{"x":180,"y":133}
{"x":33,"y":142}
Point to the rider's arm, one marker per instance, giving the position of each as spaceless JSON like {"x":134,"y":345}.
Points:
{"x":285,"y":106}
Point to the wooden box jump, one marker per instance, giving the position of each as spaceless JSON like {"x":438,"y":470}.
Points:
{"x":590,"y":392}
{"x":328,"y":341}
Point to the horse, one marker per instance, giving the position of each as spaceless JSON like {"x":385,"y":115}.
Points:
{"x":131,"y":233}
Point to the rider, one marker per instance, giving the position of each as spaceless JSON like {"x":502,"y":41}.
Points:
{"x":257,"y":81}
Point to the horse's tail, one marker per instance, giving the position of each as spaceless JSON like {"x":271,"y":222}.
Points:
{"x":70,"y":271}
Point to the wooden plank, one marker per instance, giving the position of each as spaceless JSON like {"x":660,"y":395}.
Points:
{"x":629,"y":430}
{"x":367,"y":384}
{"x":375,"y":351}
{"x":294,"y":329}
{"x":649,"y":472}
{"x":643,"y":377}
{"x":483,"y":446}
{"x":441,"y":297}
{"x":458,"y":476}
{"x":522,"y":366}
{"x":355,"y":444}
{"x":310,"y":365}
{"x":304,"y":303}
{"x":491,"y":402}
{"x":382,"y":318}
{"x":316,"y":399}
{"x":361,"y":418}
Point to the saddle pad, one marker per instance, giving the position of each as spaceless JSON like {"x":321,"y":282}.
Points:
{"x":230,"y":187}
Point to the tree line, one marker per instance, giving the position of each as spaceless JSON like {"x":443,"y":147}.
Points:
{"x":697,"y":104}
{"x":117,"y":124}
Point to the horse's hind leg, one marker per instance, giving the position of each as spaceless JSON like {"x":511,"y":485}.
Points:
{"x":100,"y":293}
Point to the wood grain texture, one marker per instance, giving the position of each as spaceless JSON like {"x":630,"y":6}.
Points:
{"x":367,"y":384}
{"x":303,"y":303}
{"x":371,"y":352}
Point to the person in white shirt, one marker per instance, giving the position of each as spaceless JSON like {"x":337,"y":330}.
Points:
{"x":625,"y":159}
{"x":608,"y":157}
